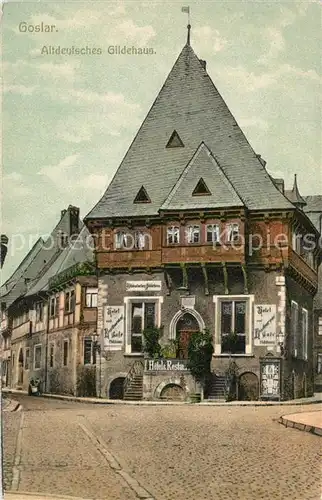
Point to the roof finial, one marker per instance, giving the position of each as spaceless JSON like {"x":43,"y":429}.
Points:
{"x":187,"y":11}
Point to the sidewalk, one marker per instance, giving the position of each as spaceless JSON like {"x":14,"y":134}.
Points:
{"x":305,"y":421}
{"x":17,"y":495}
{"x":317,"y":398}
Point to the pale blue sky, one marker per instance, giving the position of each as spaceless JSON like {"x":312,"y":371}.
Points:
{"x":68,"y":120}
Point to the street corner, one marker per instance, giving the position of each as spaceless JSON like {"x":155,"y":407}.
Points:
{"x":305,"y":421}
{"x":10,"y":405}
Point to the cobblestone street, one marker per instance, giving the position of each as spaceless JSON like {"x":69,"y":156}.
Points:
{"x":162,"y":453}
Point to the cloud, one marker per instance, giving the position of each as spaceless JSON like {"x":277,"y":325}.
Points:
{"x":72,"y":130}
{"x":62,"y":174}
{"x":96,"y":182}
{"x":258,"y":123}
{"x":127,"y":31}
{"x":19,"y":89}
{"x":15,"y":185}
{"x":207,"y":38}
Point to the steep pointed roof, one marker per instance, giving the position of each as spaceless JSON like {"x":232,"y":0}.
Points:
{"x":202,"y":165}
{"x":189,"y":103}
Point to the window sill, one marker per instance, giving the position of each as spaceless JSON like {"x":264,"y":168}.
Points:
{"x":134,"y":354}
{"x":224,"y":355}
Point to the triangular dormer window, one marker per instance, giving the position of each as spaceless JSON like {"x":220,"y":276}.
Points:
{"x":201,"y":189}
{"x":142,"y":196}
{"x":175,"y":141}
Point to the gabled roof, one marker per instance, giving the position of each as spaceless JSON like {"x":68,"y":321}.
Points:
{"x":313,"y":203}
{"x":78,"y":251}
{"x":41,"y":258}
{"x":190,"y":104}
{"x":313,"y":210}
{"x":18,"y":274}
{"x":202,"y":165}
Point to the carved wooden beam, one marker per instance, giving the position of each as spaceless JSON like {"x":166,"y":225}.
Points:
{"x":205,"y":275}
{"x":224,"y":267}
{"x":184,"y":275}
{"x":168,"y":282}
{"x":244,"y":270}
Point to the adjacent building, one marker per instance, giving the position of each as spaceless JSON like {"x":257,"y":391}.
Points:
{"x":48,"y":309}
{"x":192,"y":234}
{"x":313,"y":209}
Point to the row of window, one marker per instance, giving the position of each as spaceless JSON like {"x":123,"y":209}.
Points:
{"x":233,"y":327}
{"x":69,"y":303}
{"x":193,"y":234}
{"x":88,"y":358}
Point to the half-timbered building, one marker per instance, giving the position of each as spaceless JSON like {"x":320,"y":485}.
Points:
{"x":192,"y":234}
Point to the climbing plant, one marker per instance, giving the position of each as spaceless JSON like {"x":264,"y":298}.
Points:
{"x":200,"y":352}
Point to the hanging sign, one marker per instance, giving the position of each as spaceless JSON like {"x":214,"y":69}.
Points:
{"x":143,"y":286}
{"x":265,"y":324}
{"x":113,"y":327}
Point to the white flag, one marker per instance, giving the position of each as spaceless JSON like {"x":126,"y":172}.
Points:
{"x":185,"y":9}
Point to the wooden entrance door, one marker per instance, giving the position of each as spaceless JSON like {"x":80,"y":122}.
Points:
{"x":186,"y":326}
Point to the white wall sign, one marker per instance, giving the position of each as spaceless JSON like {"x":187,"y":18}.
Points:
{"x":188,"y":302}
{"x":165,"y":365}
{"x":270,"y":380}
{"x":265,"y":324}
{"x":143,"y":286}
{"x":113,"y":327}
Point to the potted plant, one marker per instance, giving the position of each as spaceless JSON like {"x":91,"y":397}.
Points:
{"x":151,"y":336}
{"x":170,"y":350}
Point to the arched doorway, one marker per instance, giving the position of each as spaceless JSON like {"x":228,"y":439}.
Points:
{"x":20,"y":367}
{"x":186,"y":326}
{"x":248,"y":387}
{"x":172,"y":392}
{"x":116,"y":390}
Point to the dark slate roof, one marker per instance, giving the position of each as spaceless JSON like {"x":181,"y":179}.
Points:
{"x":202,"y":165}
{"x":313,"y":203}
{"x":41,"y":257}
{"x":313,"y":210}
{"x":78,"y":251}
{"x":190,"y":104}
{"x":18,"y":274}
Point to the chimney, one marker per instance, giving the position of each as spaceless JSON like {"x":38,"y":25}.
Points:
{"x":73,"y":219}
{"x":263,"y":162}
{"x":203,"y":63}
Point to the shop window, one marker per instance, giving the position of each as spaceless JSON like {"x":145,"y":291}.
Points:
{"x":27,"y":358}
{"x":319,"y":363}
{"x":320,"y":325}
{"x":295,"y":327}
{"x":305,"y":328}
{"x":37,"y":357}
{"x":65,"y":352}
{"x":142,"y":313}
{"x":89,"y":351}
{"x":51,"y":354}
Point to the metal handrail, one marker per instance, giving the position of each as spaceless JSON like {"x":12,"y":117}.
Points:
{"x":136,"y":369}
